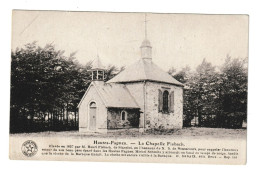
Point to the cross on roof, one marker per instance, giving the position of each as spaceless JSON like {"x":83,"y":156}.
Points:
{"x":145,"y":28}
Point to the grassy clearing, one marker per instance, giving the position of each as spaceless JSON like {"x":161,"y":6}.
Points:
{"x":187,"y":133}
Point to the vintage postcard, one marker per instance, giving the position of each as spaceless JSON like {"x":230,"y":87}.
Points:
{"x":129,"y":87}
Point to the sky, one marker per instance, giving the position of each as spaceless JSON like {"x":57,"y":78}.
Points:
{"x":177,"y":40}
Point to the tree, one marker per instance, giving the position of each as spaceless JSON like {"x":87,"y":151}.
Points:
{"x":112,"y":71}
{"x":217,"y":97}
{"x":186,"y":77}
{"x":233,"y":93}
{"x":46,"y":87}
{"x":183,"y":75}
{"x":200,"y":93}
{"x":206,"y":87}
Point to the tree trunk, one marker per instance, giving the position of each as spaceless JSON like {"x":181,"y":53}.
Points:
{"x":75,"y":117}
{"x":67,"y":114}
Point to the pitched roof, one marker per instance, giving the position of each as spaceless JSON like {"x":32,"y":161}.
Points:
{"x":143,"y":70}
{"x":114,"y":95}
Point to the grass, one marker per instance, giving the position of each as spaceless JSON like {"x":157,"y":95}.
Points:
{"x":187,"y":133}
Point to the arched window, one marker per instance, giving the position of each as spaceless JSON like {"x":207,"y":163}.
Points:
{"x":165,"y":101}
{"x":123,"y":115}
{"x":92,"y":105}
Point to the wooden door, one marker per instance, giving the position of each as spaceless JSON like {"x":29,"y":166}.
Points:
{"x":92,"y":116}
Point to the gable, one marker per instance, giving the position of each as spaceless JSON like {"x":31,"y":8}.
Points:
{"x":91,"y":94}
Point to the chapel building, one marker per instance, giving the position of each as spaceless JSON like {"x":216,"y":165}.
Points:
{"x":142,"y":96}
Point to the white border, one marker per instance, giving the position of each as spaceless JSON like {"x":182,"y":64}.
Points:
{"x":163,"y":6}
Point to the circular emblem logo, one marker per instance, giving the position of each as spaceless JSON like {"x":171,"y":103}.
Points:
{"x":29,"y":148}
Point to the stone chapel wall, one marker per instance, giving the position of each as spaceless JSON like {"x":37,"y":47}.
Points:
{"x":156,"y":119}
{"x":137,"y":91}
{"x":115,"y":121}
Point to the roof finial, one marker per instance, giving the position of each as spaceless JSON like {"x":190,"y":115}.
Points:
{"x":145,"y":27}
{"x":146,"y":48}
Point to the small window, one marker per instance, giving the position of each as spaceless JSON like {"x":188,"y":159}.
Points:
{"x":165,"y":101}
{"x":100,"y":75}
{"x":94,"y":75}
{"x":123,"y":115}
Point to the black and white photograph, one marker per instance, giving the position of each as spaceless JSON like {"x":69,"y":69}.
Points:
{"x":129,"y":87}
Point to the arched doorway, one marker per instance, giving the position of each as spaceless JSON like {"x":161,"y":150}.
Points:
{"x":92,"y":116}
